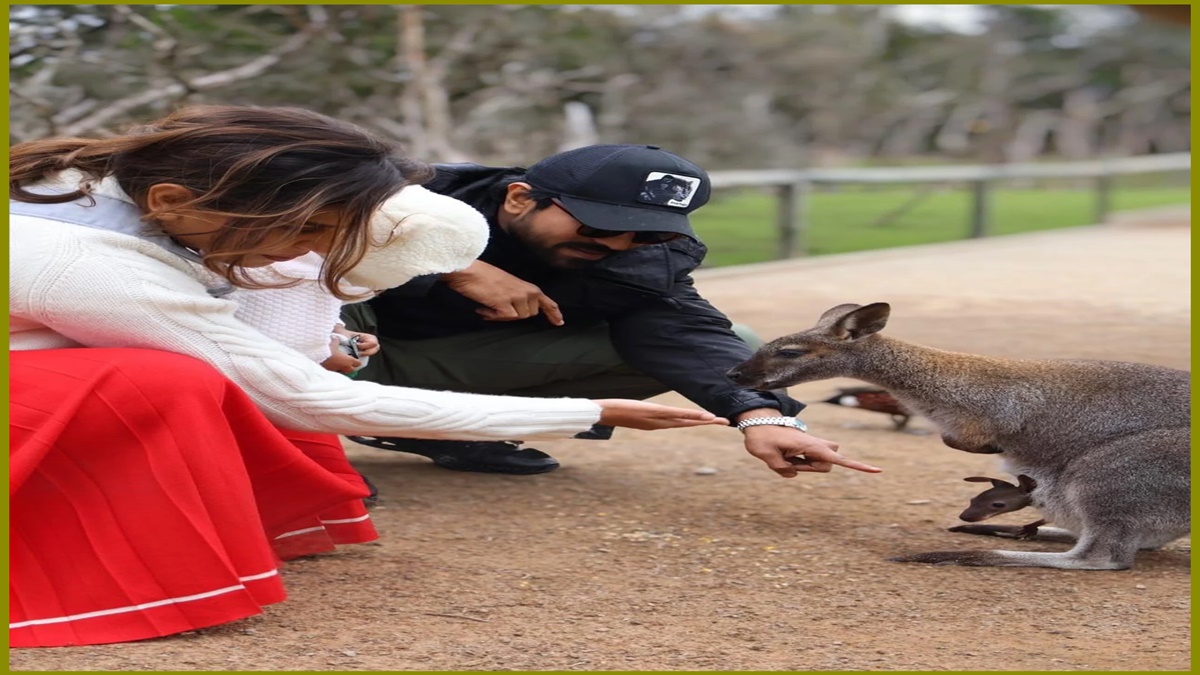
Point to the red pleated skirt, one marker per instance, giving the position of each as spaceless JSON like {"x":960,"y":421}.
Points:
{"x":149,"y":496}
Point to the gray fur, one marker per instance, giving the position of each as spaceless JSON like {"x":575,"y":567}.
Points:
{"x":1106,"y":441}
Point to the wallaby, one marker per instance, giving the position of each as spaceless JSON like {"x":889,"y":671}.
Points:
{"x":1002,"y":497}
{"x":1106,"y":441}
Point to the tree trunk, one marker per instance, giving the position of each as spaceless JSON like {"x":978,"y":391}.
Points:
{"x":955,"y":135}
{"x":1030,"y":138}
{"x":579,"y":126}
{"x":425,"y":103}
{"x":1077,"y":129}
{"x":909,"y":139}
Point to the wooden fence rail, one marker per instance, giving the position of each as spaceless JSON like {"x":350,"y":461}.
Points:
{"x":794,"y":185}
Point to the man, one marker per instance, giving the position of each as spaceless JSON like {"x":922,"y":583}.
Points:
{"x":584,"y":290}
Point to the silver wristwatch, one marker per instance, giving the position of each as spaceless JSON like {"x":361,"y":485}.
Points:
{"x":774,"y":421}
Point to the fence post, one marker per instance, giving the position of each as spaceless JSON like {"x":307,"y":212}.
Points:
{"x":1104,"y":186}
{"x":793,"y":204}
{"x":981,"y":204}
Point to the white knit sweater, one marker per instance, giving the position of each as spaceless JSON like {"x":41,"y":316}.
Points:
{"x":74,"y":286}
{"x":300,"y":315}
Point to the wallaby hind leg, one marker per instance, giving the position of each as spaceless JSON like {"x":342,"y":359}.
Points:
{"x":1089,"y":554}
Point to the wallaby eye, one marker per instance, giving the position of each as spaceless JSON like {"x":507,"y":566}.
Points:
{"x":790,"y":353}
{"x":998,"y":505}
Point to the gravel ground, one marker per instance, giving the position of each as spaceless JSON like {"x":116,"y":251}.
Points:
{"x":677,"y":551}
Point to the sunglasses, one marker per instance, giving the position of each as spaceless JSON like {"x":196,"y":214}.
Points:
{"x":638,"y":237}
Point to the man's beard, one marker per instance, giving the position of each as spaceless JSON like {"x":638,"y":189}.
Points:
{"x":551,"y":254}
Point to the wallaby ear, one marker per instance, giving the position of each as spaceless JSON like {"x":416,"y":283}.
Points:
{"x":837,"y":311}
{"x":1027,"y":483}
{"x":863,"y":321}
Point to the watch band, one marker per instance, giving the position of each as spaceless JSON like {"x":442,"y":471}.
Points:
{"x":793,"y":422}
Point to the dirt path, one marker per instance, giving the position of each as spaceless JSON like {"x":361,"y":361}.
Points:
{"x":627,"y":559}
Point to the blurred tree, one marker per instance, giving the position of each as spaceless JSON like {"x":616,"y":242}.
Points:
{"x":731,"y":87}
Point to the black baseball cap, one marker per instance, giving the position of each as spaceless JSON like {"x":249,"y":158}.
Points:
{"x":630,"y":188}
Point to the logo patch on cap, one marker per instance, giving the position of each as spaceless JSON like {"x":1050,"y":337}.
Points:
{"x":668,"y":189}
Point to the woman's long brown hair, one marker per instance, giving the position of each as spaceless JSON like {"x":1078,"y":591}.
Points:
{"x":267,"y":170}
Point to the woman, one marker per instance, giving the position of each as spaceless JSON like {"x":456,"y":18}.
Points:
{"x":159,"y":475}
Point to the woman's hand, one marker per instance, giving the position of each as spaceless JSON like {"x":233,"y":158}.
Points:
{"x":341,"y":363}
{"x":366,"y":344}
{"x":618,"y":412}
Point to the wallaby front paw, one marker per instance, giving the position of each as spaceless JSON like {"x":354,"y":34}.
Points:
{"x":1030,"y":531}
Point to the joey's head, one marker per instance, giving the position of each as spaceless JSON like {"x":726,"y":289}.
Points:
{"x":1002,"y":497}
{"x":832,"y":348}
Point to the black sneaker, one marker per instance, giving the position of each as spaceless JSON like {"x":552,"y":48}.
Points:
{"x":481,"y":456}
{"x":598,"y":432}
{"x":373,"y":498}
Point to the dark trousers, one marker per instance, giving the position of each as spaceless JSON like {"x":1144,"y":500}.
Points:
{"x":550,"y":361}
{"x":572,"y":361}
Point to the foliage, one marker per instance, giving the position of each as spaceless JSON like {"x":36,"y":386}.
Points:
{"x":732,"y":87}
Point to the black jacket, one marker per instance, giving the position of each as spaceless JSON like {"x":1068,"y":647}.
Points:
{"x":658,"y":322}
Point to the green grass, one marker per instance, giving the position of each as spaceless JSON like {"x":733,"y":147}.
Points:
{"x":739,"y":226}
